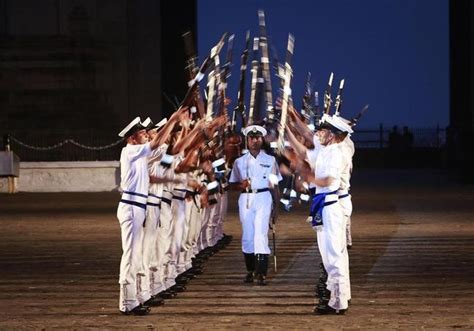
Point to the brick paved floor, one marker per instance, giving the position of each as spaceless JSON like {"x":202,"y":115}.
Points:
{"x":412,"y":264}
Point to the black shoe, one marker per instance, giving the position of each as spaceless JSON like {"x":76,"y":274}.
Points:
{"x":167,"y":294}
{"x":182,"y":280}
{"x":139,"y":310}
{"x":154,"y":301}
{"x":349,"y":246}
{"x":261,"y":280}
{"x":249,"y":277}
{"x":178,"y":288}
{"x":326,"y":310}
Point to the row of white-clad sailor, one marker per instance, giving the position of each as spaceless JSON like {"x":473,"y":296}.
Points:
{"x":162,"y":221}
{"x":331,"y":165}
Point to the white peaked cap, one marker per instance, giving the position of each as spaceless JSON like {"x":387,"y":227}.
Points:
{"x":146,"y":122}
{"x":338,"y":123}
{"x":131,"y":128}
{"x":254,"y":129}
{"x":161,"y":123}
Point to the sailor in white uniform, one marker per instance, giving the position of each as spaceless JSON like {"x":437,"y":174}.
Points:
{"x":251,"y":175}
{"x":328,"y":219}
{"x":131,"y":213}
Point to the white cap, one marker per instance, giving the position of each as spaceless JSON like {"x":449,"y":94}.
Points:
{"x":161,"y":123}
{"x":254,"y":129}
{"x":131,"y":128}
{"x":338,"y":123}
{"x":146,"y":122}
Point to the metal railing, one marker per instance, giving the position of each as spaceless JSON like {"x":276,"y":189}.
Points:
{"x":100,"y":146}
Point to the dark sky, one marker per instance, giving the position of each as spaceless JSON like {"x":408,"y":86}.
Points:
{"x":393,"y":53}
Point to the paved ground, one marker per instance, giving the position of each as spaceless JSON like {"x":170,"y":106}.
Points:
{"x":412,"y":264}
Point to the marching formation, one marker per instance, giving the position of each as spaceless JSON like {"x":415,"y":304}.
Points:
{"x":175,"y":177}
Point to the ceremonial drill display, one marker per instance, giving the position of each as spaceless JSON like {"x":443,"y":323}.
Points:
{"x":176,"y":174}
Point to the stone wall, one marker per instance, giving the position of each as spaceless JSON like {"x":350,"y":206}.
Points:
{"x":66,"y":177}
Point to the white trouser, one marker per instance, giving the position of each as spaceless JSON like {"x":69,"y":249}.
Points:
{"x":346,"y":205}
{"x":203,"y":237}
{"x":131,"y":265}
{"x":178,"y":209}
{"x":165,"y":240}
{"x":193,"y":219}
{"x":214,"y":221}
{"x":332,"y":246}
{"x":255,"y":221}
{"x":223,"y":212}
{"x":151,"y":252}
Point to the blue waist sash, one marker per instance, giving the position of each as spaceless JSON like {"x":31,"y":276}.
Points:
{"x":317,"y":206}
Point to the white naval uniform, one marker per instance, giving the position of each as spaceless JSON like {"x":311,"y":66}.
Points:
{"x":131,"y":215}
{"x":332,"y":237}
{"x":181,"y":227}
{"x":151,"y":253}
{"x":255,"y":208}
{"x":193,"y":219}
{"x":345,"y":199}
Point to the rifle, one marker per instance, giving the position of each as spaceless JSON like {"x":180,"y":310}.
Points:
{"x":191,"y":65}
{"x":265,"y":62}
{"x":307,"y":107}
{"x":356,"y":119}
{"x":253,"y":91}
{"x":194,"y":83}
{"x":327,"y":95}
{"x":317,"y":110}
{"x":286,"y":92}
{"x":240,"y":95}
{"x":338,"y":103}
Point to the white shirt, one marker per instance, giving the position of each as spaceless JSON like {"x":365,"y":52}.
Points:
{"x":134,"y":168}
{"x":256,"y":169}
{"x":156,"y":170}
{"x":347,"y":149}
{"x":312,"y":155}
{"x":329,"y":164}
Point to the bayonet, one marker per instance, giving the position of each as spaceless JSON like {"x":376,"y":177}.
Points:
{"x":356,"y":119}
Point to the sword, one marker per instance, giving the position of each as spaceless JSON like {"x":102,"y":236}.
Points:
{"x":273,"y":227}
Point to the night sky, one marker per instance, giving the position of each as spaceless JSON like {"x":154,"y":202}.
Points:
{"x":394,"y":54}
